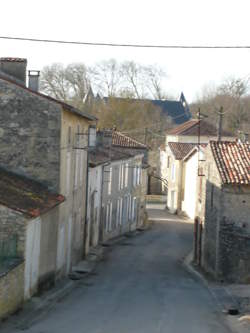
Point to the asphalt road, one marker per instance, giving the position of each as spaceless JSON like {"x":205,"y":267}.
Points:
{"x":141,"y":287}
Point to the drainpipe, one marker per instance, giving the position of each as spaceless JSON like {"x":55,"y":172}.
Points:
{"x":86,"y":200}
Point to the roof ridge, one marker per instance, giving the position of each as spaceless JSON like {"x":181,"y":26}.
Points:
{"x":66,"y":105}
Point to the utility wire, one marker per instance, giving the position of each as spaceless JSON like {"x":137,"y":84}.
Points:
{"x":155,"y":46}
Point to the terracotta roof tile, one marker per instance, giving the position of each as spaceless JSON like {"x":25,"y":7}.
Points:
{"x":180,"y":150}
{"x":122,"y":140}
{"x":191,"y":128}
{"x":25,"y":195}
{"x":102,"y":155}
{"x":233,"y":161}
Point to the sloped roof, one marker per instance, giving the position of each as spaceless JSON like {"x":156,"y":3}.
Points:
{"x":191,"y":128}
{"x":26,"y":196}
{"x":233,"y":161}
{"x":180,"y":150}
{"x":66,"y":106}
{"x":173,"y":109}
{"x":122,"y":140}
{"x":101,"y":155}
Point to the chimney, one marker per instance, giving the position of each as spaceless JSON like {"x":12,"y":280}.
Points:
{"x":15,"y":68}
{"x":220,"y":124}
{"x":34,"y":80}
{"x":104,"y":138}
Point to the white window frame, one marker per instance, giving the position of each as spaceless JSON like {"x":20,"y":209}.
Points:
{"x":81,"y":166}
{"x":130,"y":210}
{"x":76,"y":169}
{"x":126,"y":175}
{"x":107,"y":218}
{"x":68,"y":172}
{"x":133,"y":208}
{"x":138,"y":175}
{"x":134,"y":175}
{"x":110,"y":181}
{"x":118,"y":212}
{"x":121,"y":204}
{"x":173,"y":171}
{"x":110,"y":216}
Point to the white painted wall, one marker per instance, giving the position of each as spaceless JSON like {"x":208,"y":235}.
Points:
{"x":94,"y":187}
{"x":190,"y":186}
{"x":32,"y":255}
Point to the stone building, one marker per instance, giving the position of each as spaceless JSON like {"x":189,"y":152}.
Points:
{"x":28,"y":238}
{"x":117,"y":186}
{"x":45,"y":139}
{"x":226,"y":200}
{"x":179,"y":142}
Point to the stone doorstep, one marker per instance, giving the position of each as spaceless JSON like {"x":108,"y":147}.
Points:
{"x":84,"y":266}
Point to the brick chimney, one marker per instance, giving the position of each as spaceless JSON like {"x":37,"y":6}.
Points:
{"x":34,"y":80}
{"x":14,"y":67}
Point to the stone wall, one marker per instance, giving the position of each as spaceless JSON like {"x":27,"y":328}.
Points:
{"x":226,"y":238}
{"x":29,"y":134}
{"x":11,"y":290}
{"x":13,"y":224}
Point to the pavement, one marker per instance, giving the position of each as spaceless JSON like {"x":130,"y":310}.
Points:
{"x":140,"y":285}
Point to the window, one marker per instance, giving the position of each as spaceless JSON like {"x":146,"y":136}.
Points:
{"x":68,"y":172}
{"x":134,"y":176}
{"x":173,"y":172}
{"x":212,"y":196}
{"x":134,"y":209}
{"x":110,"y":180}
{"x":78,"y":136}
{"x":129,"y":207}
{"x":69,"y":135}
{"x":108,"y":221}
{"x":128,"y":203}
{"x":168,"y":162}
{"x":121,"y":177}
{"x":118,"y":212}
{"x":107,"y":218}
{"x":110,"y":216}
{"x":120,"y":220}
{"x":81,"y":166}
{"x":76,"y":168}
{"x":126,"y":175}
{"x":138,"y":176}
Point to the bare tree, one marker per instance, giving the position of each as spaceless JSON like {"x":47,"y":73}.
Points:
{"x":232,"y":95}
{"x":106,"y":77}
{"x":153,"y":78}
{"x":68,"y":84}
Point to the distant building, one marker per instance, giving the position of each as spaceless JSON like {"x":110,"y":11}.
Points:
{"x":117,"y":186}
{"x":179,"y":143}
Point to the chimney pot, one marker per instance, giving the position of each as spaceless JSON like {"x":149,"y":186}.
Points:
{"x":34,"y":80}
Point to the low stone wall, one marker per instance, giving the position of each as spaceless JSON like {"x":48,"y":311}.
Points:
{"x":11,"y":290}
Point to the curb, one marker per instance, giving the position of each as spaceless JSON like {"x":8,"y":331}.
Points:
{"x":222,"y":296}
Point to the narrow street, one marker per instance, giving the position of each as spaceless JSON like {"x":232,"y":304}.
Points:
{"x":141,"y":287}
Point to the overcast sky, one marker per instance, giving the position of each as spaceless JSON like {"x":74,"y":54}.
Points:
{"x":210,"y":22}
